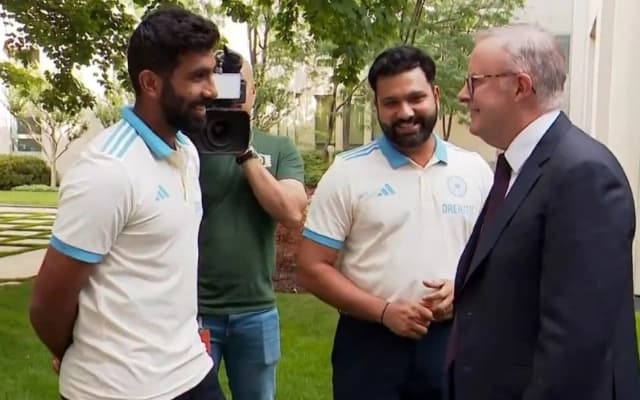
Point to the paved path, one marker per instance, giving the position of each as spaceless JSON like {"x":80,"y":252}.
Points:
{"x":21,"y":266}
{"x":22,"y":209}
{"x":25,"y":265}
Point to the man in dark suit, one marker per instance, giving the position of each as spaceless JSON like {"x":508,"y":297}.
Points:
{"x":543,"y":291}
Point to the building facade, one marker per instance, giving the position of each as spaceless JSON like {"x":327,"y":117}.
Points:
{"x":604,"y":84}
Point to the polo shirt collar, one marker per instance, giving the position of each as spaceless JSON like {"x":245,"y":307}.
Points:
{"x":158,"y":147}
{"x":396,"y":159}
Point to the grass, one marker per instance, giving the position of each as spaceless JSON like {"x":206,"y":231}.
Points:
{"x":304,"y":372}
{"x":19,"y":198}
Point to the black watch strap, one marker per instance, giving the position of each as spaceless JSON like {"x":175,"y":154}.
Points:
{"x":247,"y":155}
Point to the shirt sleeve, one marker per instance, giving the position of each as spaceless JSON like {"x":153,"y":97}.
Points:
{"x":290,"y":164}
{"x":329,"y":218}
{"x":96,"y":199}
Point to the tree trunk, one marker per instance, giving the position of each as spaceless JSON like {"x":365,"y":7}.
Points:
{"x":53,"y":181}
{"x":332,"y":120}
{"x":447,"y":121}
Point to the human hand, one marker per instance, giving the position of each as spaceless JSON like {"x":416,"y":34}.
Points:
{"x":440,"y":302}
{"x":407,"y":319}
{"x":55,"y":364}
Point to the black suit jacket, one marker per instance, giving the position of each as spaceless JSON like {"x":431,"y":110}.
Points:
{"x":544,"y":296}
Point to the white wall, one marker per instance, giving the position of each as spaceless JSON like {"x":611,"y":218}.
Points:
{"x":553,"y":15}
{"x":605,"y":86}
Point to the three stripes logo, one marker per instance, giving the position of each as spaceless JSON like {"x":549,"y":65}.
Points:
{"x":386,"y":190}
{"x":162,"y":193}
{"x":120,"y":140}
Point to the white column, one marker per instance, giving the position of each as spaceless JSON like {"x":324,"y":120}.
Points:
{"x":624,"y":101}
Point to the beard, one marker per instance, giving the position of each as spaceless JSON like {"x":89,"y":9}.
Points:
{"x":178,"y":112}
{"x":426,"y":123}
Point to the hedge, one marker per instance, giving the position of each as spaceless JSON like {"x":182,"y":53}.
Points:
{"x":22,"y":170}
{"x":315,"y":166}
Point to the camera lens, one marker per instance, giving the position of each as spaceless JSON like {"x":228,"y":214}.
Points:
{"x":217,"y":133}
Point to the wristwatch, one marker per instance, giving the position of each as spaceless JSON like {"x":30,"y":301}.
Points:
{"x":247,"y":155}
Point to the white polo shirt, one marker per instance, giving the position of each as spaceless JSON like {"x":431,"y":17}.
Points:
{"x":131,"y":205}
{"x":395,"y":222}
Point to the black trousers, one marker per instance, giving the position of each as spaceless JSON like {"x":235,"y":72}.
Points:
{"x":207,"y":389}
{"x":372,"y":363}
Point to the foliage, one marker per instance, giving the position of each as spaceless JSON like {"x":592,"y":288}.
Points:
{"x":22,"y":170}
{"x":107,"y":108}
{"x":315,"y":165}
{"x":54,"y":129}
{"x":72,"y":34}
{"x":445,"y":32}
{"x":273,"y":60}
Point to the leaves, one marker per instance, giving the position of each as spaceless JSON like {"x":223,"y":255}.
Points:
{"x":72,"y":33}
{"x":445,"y":32}
{"x":341,"y":35}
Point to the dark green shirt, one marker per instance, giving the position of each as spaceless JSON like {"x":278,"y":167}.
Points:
{"x":237,"y":237}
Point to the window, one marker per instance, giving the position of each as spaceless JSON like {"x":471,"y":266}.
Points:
{"x":354,"y":123}
{"x":28,"y":145}
{"x":23,"y":127}
{"x":323,"y":112}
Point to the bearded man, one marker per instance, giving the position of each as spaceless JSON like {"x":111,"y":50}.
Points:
{"x":397,"y":212}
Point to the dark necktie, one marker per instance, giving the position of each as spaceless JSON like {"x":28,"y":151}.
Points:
{"x":501,"y":179}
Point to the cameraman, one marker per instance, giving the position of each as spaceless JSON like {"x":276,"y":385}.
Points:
{"x":244,"y":197}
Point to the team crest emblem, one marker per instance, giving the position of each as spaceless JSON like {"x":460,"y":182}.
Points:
{"x":457,"y":186}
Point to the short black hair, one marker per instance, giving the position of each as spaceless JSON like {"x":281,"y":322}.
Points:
{"x":163,"y":36}
{"x":399,"y":59}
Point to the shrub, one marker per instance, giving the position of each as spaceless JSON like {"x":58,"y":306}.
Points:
{"x":22,"y":170}
{"x":34,"y":188}
{"x":315,"y":166}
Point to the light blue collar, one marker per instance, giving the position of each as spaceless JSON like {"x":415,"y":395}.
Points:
{"x":397,"y":159}
{"x":157,"y":146}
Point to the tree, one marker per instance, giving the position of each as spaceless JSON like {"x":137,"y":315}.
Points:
{"x":443,"y":27}
{"x":108,"y":108}
{"x":273,"y":59}
{"x":72,"y":34}
{"x":53,"y":129}
{"x":446,"y":33}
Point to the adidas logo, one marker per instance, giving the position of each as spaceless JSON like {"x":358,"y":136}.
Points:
{"x":386,"y":190}
{"x":162,"y":193}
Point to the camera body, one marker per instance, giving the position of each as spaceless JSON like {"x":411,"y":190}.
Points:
{"x":228,"y":127}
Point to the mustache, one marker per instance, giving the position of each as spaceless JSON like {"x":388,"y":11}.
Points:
{"x":200,"y":102}
{"x":410,"y":120}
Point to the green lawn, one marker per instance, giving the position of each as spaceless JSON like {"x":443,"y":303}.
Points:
{"x":44,"y":199}
{"x":304,"y":373}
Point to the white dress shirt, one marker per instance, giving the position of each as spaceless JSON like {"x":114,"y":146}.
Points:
{"x":522,"y":146}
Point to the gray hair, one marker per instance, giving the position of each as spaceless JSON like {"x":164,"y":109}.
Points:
{"x":536,"y":52}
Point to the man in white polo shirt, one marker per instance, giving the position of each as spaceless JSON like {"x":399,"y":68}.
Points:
{"x":115,"y":299}
{"x":384,"y":232}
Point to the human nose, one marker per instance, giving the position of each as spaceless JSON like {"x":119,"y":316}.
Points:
{"x":405,"y":111}
{"x":210,"y":89}
{"x":464,"y":95}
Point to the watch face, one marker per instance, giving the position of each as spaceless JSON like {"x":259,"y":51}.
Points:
{"x":265,"y":159}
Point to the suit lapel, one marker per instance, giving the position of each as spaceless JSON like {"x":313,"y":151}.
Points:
{"x":469,"y":250}
{"x":526,"y":180}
